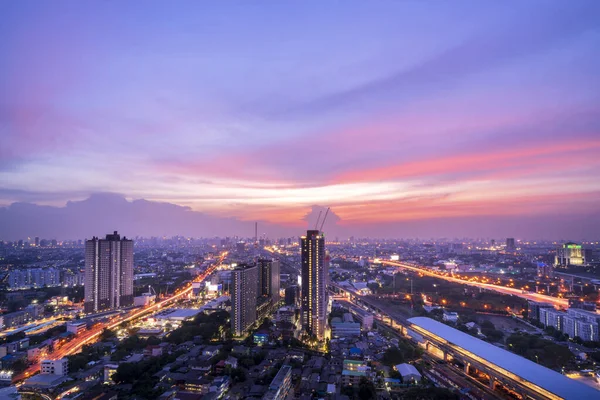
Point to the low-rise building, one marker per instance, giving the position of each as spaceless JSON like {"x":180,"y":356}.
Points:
{"x":76,"y":327}
{"x":450,"y":316}
{"x":408,"y":372}
{"x":55,"y":367}
{"x":281,"y":385}
{"x":344,"y":329}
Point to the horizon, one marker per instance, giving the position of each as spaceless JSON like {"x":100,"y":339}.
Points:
{"x":209,"y":117}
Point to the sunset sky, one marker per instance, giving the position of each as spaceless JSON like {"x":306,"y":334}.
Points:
{"x":399,"y":111}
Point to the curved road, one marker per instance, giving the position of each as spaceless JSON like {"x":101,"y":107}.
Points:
{"x":90,"y":336}
{"x":500,"y":289}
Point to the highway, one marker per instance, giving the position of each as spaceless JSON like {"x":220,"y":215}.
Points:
{"x":557,"y":302}
{"x":92,"y":335}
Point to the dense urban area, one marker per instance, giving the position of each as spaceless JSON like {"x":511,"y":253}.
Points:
{"x":298,"y":318}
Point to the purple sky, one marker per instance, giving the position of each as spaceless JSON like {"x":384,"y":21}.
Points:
{"x":407,"y":118}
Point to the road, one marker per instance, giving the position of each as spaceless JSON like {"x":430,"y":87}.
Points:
{"x":92,"y":335}
{"x":557,"y":302}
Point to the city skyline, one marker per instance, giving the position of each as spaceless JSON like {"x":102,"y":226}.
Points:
{"x":222,"y":115}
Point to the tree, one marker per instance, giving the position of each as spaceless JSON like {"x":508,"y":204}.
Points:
{"x":366,"y":390}
{"x":392,"y":356}
{"x":153,"y":341}
{"x":429,"y":393}
{"x":107,"y":334}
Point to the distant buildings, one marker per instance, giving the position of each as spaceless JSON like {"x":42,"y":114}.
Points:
{"x":108,"y":273}
{"x":244,"y":291}
{"x":510,"y":244}
{"x":544,"y":270}
{"x":574,"y":322}
{"x":314,"y":299}
{"x":569,"y":254}
{"x":17,"y":318}
{"x":33,"y":278}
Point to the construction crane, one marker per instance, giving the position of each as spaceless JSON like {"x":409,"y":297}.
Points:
{"x":324,"y":218}
{"x":317,"y":223}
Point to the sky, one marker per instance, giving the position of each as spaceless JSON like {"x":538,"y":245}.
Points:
{"x":410,"y":118}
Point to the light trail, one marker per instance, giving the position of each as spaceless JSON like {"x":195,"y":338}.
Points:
{"x":75,"y":345}
{"x":500,"y":289}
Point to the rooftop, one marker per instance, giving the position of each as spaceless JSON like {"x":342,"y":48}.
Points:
{"x":543,"y":377}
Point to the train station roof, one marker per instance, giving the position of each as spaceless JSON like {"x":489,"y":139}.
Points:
{"x":543,"y":377}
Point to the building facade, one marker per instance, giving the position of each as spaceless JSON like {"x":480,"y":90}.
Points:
{"x":268,"y":280}
{"x":55,"y":367}
{"x":281,"y":385}
{"x":569,"y":254}
{"x":244,"y":291}
{"x":108,"y":273}
{"x":314,"y":299}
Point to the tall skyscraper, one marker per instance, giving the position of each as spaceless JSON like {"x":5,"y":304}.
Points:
{"x":268,"y":279}
{"x":244,"y":291}
{"x":108,"y":273}
{"x":314,"y":299}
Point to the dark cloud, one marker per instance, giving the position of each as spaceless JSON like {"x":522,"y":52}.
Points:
{"x":106,"y":212}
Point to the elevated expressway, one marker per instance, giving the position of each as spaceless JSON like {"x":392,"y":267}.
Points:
{"x":557,"y":302}
{"x":520,"y":377}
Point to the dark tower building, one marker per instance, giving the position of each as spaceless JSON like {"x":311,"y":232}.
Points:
{"x":314,"y":299}
{"x":244,"y":290}
{"x":108,"y":273}
{"x":268,"y":279}
{"x":510,"y":244}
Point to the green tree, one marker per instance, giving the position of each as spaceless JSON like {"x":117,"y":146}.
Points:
{"x":366,"y":390}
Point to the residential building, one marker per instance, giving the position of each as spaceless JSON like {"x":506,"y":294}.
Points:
{"x":353,"y":371}
{"x":314,"y":298}
{"x":55,"y":367}
{"x":108,"y":273}
{"x":244,"y":290}
{"x":281,"y":385}
{"x":534,"y":308}
{"x":268,"y":279}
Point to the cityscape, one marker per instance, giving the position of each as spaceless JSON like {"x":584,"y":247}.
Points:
{"x":299,"y":200}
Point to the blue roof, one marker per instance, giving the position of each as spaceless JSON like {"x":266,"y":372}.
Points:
{"x":355,"y":350}
{"x":543,"y":377}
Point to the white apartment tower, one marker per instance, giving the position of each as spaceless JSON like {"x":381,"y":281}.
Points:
{"x":108,"y":273}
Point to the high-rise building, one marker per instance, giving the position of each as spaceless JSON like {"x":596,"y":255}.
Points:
{"x":108,"y":273}
{"x":244,"y":291}
{"x":37,"y":241}
{"x":569,"y":254}
{"x":510,"y":244}
{"x":314,"y":299}
{"x":291,"y":295}
{"x":268,"y":279}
